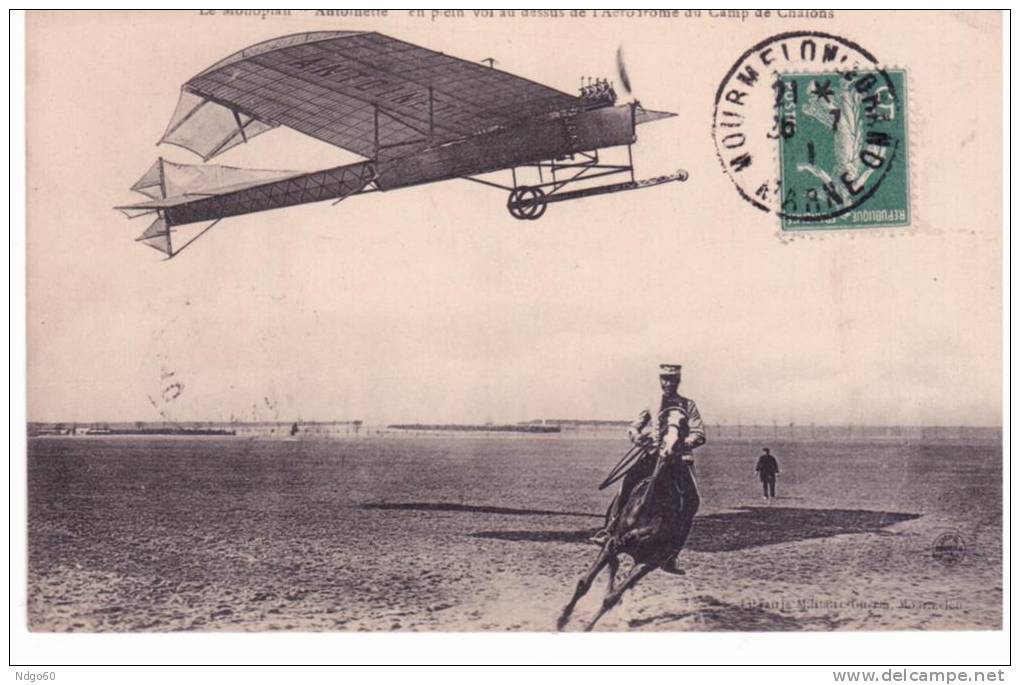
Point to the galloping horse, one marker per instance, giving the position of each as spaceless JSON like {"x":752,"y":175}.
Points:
{"x":649,"y":529}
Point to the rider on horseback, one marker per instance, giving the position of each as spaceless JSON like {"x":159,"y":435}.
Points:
{"x":661,"y":434}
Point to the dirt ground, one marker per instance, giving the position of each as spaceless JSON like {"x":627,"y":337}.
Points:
{"x":455,"y":533}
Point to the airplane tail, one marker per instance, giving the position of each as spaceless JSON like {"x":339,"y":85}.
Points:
{"x":182,"y":194}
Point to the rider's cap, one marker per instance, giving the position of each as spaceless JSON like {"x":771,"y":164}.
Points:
{"x":669,"y":370}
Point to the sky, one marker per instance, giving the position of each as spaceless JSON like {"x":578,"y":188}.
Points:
{"x":432,"y":304}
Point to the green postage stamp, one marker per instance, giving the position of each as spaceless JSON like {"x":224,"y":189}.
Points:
{"x":843,"y":154}
{"x":811,"y":127}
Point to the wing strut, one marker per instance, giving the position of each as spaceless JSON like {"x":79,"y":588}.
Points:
{"x":193,"y":239}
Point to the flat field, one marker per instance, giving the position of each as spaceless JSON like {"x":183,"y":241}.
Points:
{"x":488,"y":533}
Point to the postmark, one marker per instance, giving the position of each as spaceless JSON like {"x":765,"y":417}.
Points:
{"x":810,"y":127}
{"x":949,"y":547}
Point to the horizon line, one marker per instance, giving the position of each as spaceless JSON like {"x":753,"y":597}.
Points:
{"x":773,"y":424}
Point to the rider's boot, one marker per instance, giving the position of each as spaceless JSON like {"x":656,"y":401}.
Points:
{"x":671,"y":566}
{"x":602,"y":537}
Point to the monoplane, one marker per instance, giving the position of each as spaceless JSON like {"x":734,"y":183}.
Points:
{"x":414,"y":115}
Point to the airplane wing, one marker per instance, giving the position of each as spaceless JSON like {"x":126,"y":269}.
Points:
{"x":364,"y":92}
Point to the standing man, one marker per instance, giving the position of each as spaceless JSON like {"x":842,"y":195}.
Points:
{"x":768,"y":469}
{"x":660,"y":433}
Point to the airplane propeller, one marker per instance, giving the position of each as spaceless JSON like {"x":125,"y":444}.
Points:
{"x":621,"y":70}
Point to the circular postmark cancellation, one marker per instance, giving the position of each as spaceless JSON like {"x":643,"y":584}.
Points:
{"x":808,"y":126}
{"x":949,"y":547}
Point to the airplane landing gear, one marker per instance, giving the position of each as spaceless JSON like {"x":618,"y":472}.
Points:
{"x":526,"y":203}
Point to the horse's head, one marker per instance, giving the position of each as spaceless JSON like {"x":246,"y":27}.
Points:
{"x":673,"y":432}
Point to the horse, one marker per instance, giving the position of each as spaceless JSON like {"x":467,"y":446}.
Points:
{"x":649,"y":529}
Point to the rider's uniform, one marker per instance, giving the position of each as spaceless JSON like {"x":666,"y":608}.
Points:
{"x":673,"y":410}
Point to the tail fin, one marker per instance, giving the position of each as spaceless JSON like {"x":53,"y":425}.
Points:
{"x":157,"y":236}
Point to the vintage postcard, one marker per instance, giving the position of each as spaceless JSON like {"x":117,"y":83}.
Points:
{"x":520,"y":320}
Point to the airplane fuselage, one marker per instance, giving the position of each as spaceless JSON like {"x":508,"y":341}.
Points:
{"x":529,"y":142}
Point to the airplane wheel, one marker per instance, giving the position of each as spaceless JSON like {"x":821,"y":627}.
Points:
{"x":527,"y":194}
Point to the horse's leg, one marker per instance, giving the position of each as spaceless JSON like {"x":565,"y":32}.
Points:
{"x":584,"y":584}
{"x":614,"y":566}
{"x":639,"y":571}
